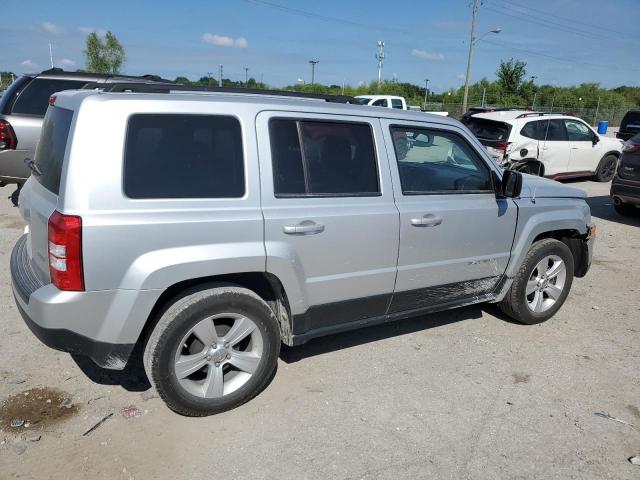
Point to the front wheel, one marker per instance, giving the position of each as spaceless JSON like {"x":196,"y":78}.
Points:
{"x":624,"y":209}
{"x":606,"y":168}
{"x":212,"y":350}
{"x":542,"y":284}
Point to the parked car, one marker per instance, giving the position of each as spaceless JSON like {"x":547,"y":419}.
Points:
{"x":550,"y":145}
{"x":625,"y":187}
{"x":210,"y":228}
{"x":387,"y":101}
{"x":630,"y":125}
{"x":22,"y":109}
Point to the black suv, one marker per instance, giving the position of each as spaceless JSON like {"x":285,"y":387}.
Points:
{"x":630,"y":125}
{"x":22,"y":108}
{"x":625,"y":187}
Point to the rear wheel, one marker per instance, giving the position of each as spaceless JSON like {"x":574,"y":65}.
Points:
{"x":542,"y":284}
{"x":624,"y":209}
{"x":532,"y":168}
{"x":212,"y":350}
{"x":606,"y":168}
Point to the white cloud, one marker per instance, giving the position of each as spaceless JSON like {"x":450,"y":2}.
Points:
{"x":427,"y":55}
{"x":30,"y":65}
{"x":101,"y":32}
{"x":67,"y":62}
{"x":224,"y":41}
{"x":50,"y":28}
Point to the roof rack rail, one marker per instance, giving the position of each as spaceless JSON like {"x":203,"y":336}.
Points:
{"x":103,"y":76}
{"x":142,"y":87}
{"x":538,"y":114}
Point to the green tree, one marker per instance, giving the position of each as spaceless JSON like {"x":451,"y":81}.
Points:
{"x":510,"y":76}
{"x":104,"y":56}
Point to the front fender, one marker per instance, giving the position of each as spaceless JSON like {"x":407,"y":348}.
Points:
{"x":544,"y":215}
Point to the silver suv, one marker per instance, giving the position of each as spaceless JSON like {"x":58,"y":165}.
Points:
{"x":22,"y":108}
{"x":209,"y":228}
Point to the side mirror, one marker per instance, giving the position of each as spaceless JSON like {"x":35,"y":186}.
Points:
{"x":595,"y":140}
{"x":511,"y":183}
{"x":423,"y":140}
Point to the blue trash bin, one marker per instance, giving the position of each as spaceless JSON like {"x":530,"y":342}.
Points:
{"x":602,"y":126}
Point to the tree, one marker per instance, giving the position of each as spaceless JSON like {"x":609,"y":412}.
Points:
{"x":510,"y":75}
{"x":104,"y":56}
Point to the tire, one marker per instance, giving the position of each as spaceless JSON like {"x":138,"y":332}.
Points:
{"x":606,"y":169}
{"x":625,"y":210}
{"x":516,"y":303}
{"x":173,"y":338}
{"x":14,"y":197}
{"x":532,"y":168}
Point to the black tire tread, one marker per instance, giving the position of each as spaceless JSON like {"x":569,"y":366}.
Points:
{"x":598,"y":177}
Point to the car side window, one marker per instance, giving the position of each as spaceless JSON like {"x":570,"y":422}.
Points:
{"x":382,"y":102}
{"x":183,"y":156}
{"x":554,"y":131}
{"x":396,"y":103}
{"x":534,"y":130}
{"x":322,"y":158}
{"x":578,"y":131}
{"x":436,"y":161}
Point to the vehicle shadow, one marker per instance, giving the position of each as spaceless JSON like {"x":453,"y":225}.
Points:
{"x":602,"y":207}
{"x":340,"y":341}
{"x":133,"y":378}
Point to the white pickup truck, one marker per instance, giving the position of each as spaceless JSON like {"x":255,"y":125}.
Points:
{"x":389,"y":101}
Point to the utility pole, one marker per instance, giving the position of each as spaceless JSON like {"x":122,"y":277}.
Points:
{"x":471,"y":42}
{"x":380,"y":58}
{"x":313,"y":70}
{"x":484,"y":95}
{"x":220,"y":77}
{"x":595,"y":115}
{"x":426,"y":92}
{"x":51,"y":54}
{"x":246,"y":75}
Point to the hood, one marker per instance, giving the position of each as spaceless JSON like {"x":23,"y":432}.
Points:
{"x":540,"y":187}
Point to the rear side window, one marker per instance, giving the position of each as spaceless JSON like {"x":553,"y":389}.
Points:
{"x":51,"y":148}
{"x":488,"y":129}
{"x":535,"y":130}
{"x":313,"y":158}
{"x":555,"y":131}
{"x":396,"y":103}
{"x":380,"y":103}
{"x":183,"y":156}
{"x":34,"y":99}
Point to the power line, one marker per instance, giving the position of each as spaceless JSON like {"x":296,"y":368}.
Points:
{"x":325,"y":18}
{"x":557,"y":17}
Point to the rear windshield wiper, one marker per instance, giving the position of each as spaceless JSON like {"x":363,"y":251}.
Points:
{"x":33,"y":166}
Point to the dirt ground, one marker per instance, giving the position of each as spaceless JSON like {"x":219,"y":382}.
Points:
{"x":463,"y":395}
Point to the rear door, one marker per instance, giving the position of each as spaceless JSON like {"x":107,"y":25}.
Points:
{"x":584,"y":152}
{"x":455,"y":235}
{"x":39,"y":196}
{"x":555,"y":152}
{"x":331,"y":225}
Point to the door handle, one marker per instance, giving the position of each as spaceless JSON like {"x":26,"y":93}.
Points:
{"x":574,"y":148}
{"x":428,"y":220}
{"x":308,"y":227}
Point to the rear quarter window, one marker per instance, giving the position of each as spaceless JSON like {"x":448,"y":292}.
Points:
{"x":52,"y":146}
{"x":183,"y":156}
{"x":34,"y":99}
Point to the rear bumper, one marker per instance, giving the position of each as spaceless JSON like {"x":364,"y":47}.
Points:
{"x":627,"y":191}
{"x":103,"y":325}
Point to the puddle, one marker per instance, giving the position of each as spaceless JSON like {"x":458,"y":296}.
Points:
{"x":38,"y":407}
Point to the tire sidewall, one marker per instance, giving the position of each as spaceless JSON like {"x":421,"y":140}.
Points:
{"x":540,"y":251}
{"x":162,"y":356}
{"x":605,"y":160}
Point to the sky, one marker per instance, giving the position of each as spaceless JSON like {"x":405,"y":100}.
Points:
{"x":564,"y":42}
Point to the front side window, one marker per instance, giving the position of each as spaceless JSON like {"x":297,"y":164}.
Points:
{"x":578,"y":131}
{"x":436,"y":161}
{"x":380,"y":103}
{"x":396,"y":103}
{"x":312,"y":158}
{"x":183,"y":156}
{"x":34,"y":99}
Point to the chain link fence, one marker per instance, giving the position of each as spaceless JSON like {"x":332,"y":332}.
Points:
{"x":590,"y":115}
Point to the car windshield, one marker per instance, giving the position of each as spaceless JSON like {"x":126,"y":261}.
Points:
{"x":631,"y":119}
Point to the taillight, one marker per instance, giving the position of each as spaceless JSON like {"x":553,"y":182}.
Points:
{"x":65,"y":252}
{"x":502,"y":145}
{"x":8,"y":140}
{"x":631,"y":148}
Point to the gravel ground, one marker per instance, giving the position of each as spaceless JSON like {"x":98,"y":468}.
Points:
{"x":462,"y":394}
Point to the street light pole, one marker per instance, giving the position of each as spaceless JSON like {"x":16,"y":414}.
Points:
{"x":471,"y":42}
{"x":426,"y":92}
{"x":246,"y":75}
{"x":220,"y":77}
{"x":313,"y":70}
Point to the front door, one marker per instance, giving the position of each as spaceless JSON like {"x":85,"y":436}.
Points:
{"x":584,"y":152}
{"x":455,"y":235}
{"x":331,"y":225}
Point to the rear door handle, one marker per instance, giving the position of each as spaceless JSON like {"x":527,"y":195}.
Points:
{"x":308,"y":227}
{"x":427,"y":220}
